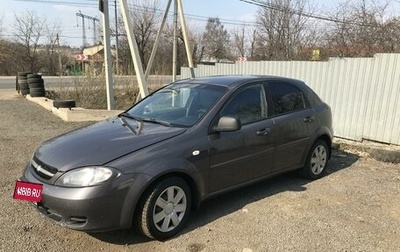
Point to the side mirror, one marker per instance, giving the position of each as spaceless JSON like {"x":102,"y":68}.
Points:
{"x":228,"y":123}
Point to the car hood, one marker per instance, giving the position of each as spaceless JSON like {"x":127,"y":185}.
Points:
{"x":101,"y":143}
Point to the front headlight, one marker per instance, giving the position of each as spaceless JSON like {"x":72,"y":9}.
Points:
{"x":87,"y":176}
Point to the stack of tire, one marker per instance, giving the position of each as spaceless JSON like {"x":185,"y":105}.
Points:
{"x":22,"y":83}
{"x":36,"y":85}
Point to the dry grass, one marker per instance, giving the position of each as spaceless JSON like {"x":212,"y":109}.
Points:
{"x":90,"y":93}
{"x":379,"y":151}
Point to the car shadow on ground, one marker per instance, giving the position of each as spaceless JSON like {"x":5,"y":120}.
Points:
{"x":223,"y":205}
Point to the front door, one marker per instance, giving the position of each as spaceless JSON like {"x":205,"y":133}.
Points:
{"x":240,"y":156}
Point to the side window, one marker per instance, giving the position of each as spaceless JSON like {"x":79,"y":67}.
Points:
{"x":285,"y":98}
{"x":249,"y":105}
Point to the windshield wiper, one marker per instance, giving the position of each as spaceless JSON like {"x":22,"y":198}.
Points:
{"x":154,"y":120}
{"x":125,"y":114}
{"x":125,"y":123}
{"x":150,"y":120}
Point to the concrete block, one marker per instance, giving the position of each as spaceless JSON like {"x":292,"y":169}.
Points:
{"x":74,"y":114}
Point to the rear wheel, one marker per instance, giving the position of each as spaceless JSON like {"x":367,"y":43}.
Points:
{"x":164,"y":209}
{"x":316,"y":161}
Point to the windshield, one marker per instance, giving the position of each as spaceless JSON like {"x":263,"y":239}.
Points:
{"x":177,"y":104}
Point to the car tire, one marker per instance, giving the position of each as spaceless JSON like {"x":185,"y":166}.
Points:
{"x":24,"y":91}
{"x":164,"y":208}
{"x":64,"y":104}
{"x":317,"y":160}
{"x":37,"y":92}
{"x":35,"y":80}
{"x":23,"y":74}
{"x":36,"y":85}
{"x":33,"y":76}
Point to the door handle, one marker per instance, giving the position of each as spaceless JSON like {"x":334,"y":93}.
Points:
{"x":263,"y":132}
{"x":309,"y":119}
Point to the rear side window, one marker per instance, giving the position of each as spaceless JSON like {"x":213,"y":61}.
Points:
{"x":286,"y":98}
{"x":313,"y":98}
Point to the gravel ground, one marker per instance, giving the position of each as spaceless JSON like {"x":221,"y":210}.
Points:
{"x":356,"y":207}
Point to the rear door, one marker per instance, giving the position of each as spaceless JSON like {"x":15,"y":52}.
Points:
{"x":294,"y":122}
{"x":246,"y":154}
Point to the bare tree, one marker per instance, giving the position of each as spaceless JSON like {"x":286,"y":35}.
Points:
{"x":215,"y":40}
{"x":50,"y":58}
{"x":283,"y":27}
{"x":11,"y":57}
{"x":146,"y":19}
{"x":2,"y":45}
{"x":195,"y":37}
{"x":253,"y":41}
{"x":390,"y":36}
{"x":28,"y":30}
{"x":361,"y":29}
{"x":1,"y":25}
{"x":340,"y":38}
{"x":164,"y":55}
{"x":239,"y":41}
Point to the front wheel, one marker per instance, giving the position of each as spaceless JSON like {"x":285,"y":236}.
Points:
{"x":164,"y":209}
{"x":316,"y":161}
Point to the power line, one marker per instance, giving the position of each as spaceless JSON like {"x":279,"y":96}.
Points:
{"x":61,"y":36}
{"x":142,"y":8}
{"x":80,"y":4}
{"x":136,"y":7}
{"x":301,"y":13}
{"x":192,"y":16}
{"x":94,"y":19}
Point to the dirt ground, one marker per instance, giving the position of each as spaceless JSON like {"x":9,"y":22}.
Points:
{"x":355,"y":207}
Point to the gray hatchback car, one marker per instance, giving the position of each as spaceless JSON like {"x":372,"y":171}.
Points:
{"x":188,"y":141}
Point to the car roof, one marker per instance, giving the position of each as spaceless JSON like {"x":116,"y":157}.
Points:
{"x":231,"y":80}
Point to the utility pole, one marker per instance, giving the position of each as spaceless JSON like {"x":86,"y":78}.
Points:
{"x":175,"y":42}
{"x":142,"y":82}
{"x":94,"y":19}
{"x":107,"y":54}
{"x":178,"y":9}
{"x":157,"y":41}
{"x":116,"y":39}
{"x":186,"y":37}
{"x":140,"y":75}
{"x":60,"y":72}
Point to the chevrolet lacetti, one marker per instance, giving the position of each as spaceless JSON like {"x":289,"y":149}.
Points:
{"x":150,"y":166}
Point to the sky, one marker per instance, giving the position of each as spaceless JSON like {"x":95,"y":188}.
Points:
{"x":231,"y":13}
{"x":197,"y":11}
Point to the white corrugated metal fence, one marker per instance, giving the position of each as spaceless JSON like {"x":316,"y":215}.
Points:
{"x":363,"y":93}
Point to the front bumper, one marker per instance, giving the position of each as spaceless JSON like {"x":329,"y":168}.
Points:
{"x":98,"y":208}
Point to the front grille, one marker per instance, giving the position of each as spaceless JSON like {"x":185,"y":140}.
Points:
{"x":43,"y":170}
